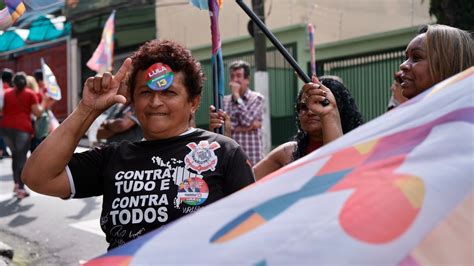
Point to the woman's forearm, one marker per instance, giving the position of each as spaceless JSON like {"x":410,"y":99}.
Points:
{"x":332,"y":129}
{"x":50,"y":158}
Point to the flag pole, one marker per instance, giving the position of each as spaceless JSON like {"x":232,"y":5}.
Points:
{"x":311,"y":48}
{"x":216,"y":59}
{"x":277,"y":44}
{"x":215,"y":86}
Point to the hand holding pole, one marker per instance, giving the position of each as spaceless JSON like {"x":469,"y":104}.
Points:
{"x":277,"y":44}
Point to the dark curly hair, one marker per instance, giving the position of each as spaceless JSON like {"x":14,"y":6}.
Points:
{"x":348,"y":111}
{"x":19,"y":80}
{"x":177,"y":57}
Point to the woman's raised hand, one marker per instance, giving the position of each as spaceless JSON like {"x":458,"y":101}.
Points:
{"x":102,"y":91}
{"x":314,"y":93}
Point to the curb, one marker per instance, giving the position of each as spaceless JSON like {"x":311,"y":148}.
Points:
{"x":6,"y":252}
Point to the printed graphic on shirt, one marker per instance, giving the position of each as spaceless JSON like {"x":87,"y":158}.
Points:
{"x":202,"y":157}
{"x":141,"y":181}
{"x":145,"y":196}
{"x":193,"y":191}
{"x":130,"y":207}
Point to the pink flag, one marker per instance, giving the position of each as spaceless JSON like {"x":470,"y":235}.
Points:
{"x":102,"y":59}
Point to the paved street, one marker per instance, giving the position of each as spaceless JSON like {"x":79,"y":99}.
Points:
{"x":45,"y":230}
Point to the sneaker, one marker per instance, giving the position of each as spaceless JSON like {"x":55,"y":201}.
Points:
{"x":21,"y":194}
{"x":15,"y":188}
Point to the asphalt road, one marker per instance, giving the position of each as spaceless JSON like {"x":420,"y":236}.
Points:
{"x":48,"y":231}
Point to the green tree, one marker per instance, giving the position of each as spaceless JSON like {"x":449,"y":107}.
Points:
{"x":456,"y":13}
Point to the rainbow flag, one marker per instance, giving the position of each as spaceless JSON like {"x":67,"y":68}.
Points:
{"x":102,"y":59}
{"x":52,"y":88}
{"x":216,"y":59}
{"x":9,"y":15}
{"x":398,"y":190}
{"x":204,"y":4}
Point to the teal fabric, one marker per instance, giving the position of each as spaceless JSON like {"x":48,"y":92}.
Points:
{"x":42,"y":29}
{"x":9,"y":40}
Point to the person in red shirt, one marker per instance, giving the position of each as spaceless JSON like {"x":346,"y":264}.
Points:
{"x":7,"y":76}
{"x":19,"y":103}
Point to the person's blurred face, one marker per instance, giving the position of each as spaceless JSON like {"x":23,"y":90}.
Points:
{"x":415,"y":76}
{"x":310,"y":123}
{"x":396,"y":90}
{"x":238,"y":76}
{"x":163,"y":114}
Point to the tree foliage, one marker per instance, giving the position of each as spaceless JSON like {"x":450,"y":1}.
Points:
{"x":455,"y":13}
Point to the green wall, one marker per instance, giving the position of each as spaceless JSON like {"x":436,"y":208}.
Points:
{"x":366,"y":65}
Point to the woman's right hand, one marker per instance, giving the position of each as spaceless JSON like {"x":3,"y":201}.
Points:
{"x":101,"y":92}
{"x":314,"y":93}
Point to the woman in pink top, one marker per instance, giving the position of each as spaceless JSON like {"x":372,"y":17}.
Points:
{"x":16,"y":128}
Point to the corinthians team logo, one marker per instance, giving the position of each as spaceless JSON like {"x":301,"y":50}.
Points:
{"x":202,"y":156}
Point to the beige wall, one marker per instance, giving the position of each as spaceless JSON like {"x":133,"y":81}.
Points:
{"x":334,"y":19}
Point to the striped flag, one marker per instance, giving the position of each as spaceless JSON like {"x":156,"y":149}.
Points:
{"x":102,"y":59}
{"x":52,"y":88}
{"x":204,"y":4}
{"x":216,"y":60}
{"x":395,"y":191}
{"x":13,"y":10}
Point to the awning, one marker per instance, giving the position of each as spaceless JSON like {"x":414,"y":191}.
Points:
{"x":13,"y":39}
{"x":48,"y":28}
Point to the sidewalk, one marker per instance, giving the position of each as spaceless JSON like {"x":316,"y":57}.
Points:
{"x":6,"y":254}
{"x":6,"y":251}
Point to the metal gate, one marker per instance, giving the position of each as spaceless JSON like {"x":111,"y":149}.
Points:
{"x":368,"y":77}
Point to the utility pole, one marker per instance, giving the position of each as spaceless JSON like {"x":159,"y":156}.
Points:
{"x":261,"y":74}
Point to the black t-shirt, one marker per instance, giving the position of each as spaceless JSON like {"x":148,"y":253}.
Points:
{"x":148,"y":184}
{"x":134,"y":133}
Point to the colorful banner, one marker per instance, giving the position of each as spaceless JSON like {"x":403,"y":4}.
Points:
{"x":102,"y":59}
{"x":10,"y":14}
{"x":216,"y":59}
{"x":52,"y":88}
{"x":368,"y":198}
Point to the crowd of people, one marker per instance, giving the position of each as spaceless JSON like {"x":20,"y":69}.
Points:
{"x":24,"y":121}
{"x":169,"y":168}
